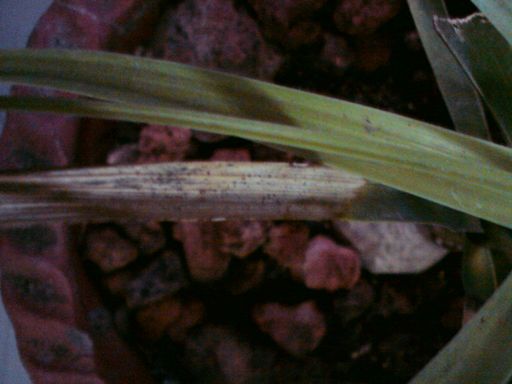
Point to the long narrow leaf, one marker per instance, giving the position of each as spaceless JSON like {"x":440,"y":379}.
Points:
{"x":451,"y":169}
{"x":491,"y":72}
{"x":192,"y":190}
{"x":465,"y":168}
{"x":500,"y":14}
{"x":461,"y":98}
{"x":375,"y":202}
{"x":480,"y":353}
{"x":177,"y":191}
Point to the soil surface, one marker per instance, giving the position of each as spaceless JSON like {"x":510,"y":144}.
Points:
{"x":275,"y":302}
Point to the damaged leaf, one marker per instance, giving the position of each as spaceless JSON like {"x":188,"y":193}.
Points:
{"x":457,"y":171}
{"x":462,"y":100}
{"x":490,"y":72}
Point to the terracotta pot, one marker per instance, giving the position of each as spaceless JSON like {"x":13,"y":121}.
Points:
{"x":64,"y":333}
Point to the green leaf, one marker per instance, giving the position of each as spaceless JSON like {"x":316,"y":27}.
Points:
{"x":499,"y":241}
{"x":500,"y":14}
{"x":478,"y":273}
{"x":461,"y":98}
{"x":487,"y":59}
{"x":480,"y":352}
{"x":374,"y":202}
{"x":455,"y":170}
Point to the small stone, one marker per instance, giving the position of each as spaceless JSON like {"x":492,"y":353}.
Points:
{"x":158,"y":143}
{"x":173,"y":316}
{"x":388,"y":247}
{"x":297,"y":329}
{"x":107,"y":249}
{"x":217,"y":35}
{"x":155,"y":318}
{"x":163,"y":277}
{"x":362,"y":17}
{"x":287,"y":245}
{"x":209,"y":246}
{"x":330,"y":266}
{"x":240,"y":238}
{"x":124,"y":154}
{"x":191,"y":314}
{"x":63,"y":27}
{"x":200,"y":242}
{"x":117,"y":282}
{"x":149,"y":236}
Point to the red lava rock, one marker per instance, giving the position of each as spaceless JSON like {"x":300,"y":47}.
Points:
{"x":62,"y":26}
{"x":124,"y":154}
{"x":224,"y":154}
{"x":149,"y":236}
{"x":107,"y":249}
{"x":330,"y":266}
{"x":362,"y":17}
{"x":373,"y":52}
{"x":209,"y":245}
{"x":287,"y":244}
{"x":336,"y":55}
{"x":155,"y":318}
{"x":214,"y":34}
{"x":281,"y":20}
{"x":240,"y":238}
{"x":163,"y":277}
{"x":204,"y":260}
{"x":158,"y":143}
{"x":191,"y":314}
{"x":298,"y":329}
{"x":117,"y":282}
{"x":122,"y":23}
{"x":216,"y":355}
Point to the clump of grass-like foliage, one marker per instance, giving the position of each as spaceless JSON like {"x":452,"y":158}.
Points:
{"x":452,"y":178}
